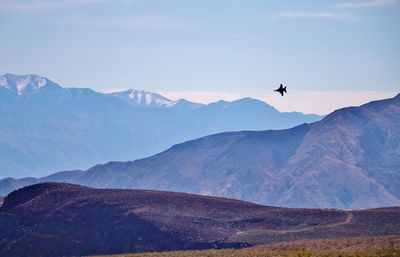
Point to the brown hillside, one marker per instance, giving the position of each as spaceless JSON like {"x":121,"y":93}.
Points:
{"x":54,"y":219}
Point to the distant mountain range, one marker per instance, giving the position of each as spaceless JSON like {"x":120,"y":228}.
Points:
{"x":55,"y":219}
{"x":45,"y":127}
{"x":350,"y":159}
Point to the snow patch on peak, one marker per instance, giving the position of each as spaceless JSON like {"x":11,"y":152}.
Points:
{"x":33,"y":82}
{"x":139,"y":95}
{"x":42,"y":82}
{"x":131,"y":95}
{"x":21,"y":86}
{"x":142,"y":98}
{"x":149,"y":99}
{"x":26,"y":84}
{"x":4,"y":83}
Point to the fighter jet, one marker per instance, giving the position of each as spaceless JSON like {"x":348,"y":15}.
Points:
{"x":281,"y":89}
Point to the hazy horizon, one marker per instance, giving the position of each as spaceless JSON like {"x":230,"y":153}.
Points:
{"x":330,"y":55}
{"x":301,"y":100}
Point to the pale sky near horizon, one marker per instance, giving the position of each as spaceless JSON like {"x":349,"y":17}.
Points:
{"x":330,"y":54}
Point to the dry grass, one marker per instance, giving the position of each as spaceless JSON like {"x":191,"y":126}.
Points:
{"x":263,"y":253}
{"x":350,"y":244}
{"x":382,"y":246}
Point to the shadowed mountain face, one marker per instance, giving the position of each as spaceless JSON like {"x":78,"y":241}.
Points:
{"x":68,"y":220}
{"x":45,"y":127}
{"x":238,"y":165}
{"x":350,"y":159}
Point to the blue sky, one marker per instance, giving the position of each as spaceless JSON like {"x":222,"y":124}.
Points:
{"x":205,"y":50}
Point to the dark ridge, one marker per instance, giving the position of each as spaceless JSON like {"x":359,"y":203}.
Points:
{"x":55,"y":219}
{"x":355,"y":110}
{"x":26,"y":194}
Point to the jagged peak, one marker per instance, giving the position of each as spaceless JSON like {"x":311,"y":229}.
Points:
{"x":24,"y":84}
{"x":142,"y":98}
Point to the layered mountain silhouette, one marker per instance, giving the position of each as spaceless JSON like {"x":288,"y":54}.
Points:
{"x":46,"y":128}
{"x":55,"y":219}
{"x":350,"y":159}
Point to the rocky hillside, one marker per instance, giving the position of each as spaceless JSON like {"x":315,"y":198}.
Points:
{"x":350,"y":159}
{"x":55,"y":219}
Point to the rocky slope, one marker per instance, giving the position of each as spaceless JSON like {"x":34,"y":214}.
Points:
{"x":55,"y":219}
{"x":350,"y":159}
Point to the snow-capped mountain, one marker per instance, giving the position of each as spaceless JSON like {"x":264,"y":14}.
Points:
{"x":28,"y":84}
{"x":45,"y":127}
{"x":143,"y":98}
{"x":138,"y":97}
